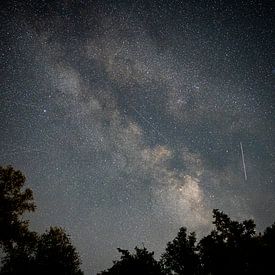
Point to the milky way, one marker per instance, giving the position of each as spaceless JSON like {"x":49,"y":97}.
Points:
{"x":127,"y":116}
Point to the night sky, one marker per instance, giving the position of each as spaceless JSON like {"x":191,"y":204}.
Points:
{"x":127,"y":116}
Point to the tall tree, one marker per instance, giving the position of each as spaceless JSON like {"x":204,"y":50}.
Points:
{"x":56,"y":255}
{"x":180,"y":256}
{"x":227,"y":249}
{"x":14,"y":202}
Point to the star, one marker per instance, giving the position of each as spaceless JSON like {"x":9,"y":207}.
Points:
{"x":125,"y":117}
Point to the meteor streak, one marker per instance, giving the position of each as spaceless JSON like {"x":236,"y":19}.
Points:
{"x":244,"y":168}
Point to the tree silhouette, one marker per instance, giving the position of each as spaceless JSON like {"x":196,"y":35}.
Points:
{"x":140,"y":262}
{"x":26,"y":252}
{"x":227,"y":249}
{"x":180,"y":256}
{"x":231,"y":248}
{"x":266,"y":248}
{"x":14,"y":202}
{"x":55,"y":254}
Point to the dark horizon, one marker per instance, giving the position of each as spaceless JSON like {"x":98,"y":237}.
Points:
{"x":131,"y":119}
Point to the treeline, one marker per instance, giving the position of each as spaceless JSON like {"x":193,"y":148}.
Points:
{"x":231,"y":248}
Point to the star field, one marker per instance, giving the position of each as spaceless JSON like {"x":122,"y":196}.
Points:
{"x":127,"y":116}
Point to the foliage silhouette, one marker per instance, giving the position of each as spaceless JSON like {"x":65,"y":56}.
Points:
{"x":267,"y":250}
{"x":14,"y":202}
{"x":26,"y":252}
{"x":180,"y":256}
{"x":140,"y":262}
{"x":230,"y":248}
{"x":20,"y":259}
{"x":55,"y":253}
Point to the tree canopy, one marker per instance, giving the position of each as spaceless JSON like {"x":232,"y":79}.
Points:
{"x":232,"y":247}
{"x":180,"y":256}
{"x":14,"y":201}
{"x":227,"y":249}
{"x":25,"y":251}
{"x":140,"y":262}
